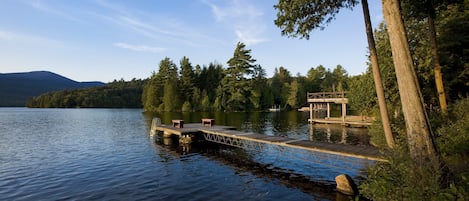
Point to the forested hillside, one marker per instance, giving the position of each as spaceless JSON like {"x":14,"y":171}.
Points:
{"x":17,"y":88}
{"x":117,"y":94}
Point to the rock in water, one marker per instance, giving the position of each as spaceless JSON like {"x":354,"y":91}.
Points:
{"x":346,"y":185}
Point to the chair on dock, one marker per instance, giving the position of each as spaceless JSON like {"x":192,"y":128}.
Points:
{"x":208,"y":122}
{"x":178,"y":123}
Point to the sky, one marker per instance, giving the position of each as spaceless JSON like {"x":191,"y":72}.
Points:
{"x":106,"y":40}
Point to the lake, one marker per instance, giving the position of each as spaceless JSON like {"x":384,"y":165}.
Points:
{"x":109,"y":154}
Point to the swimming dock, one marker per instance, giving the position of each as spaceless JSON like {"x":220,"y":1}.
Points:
{"x":229,"y":136}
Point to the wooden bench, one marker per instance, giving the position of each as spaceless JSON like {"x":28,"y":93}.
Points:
{"x":177,"y":123}
{"x":208,"y":122}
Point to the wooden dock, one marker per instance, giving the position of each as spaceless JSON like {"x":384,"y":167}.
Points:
{"x":353,"y":122}
{"x":228,"y":135}
{"x":321,"y":101}
{"x":362,"y":152}
{"x":191,"y":128}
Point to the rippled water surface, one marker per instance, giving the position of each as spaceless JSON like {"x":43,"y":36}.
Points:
{"x":108,"y":154}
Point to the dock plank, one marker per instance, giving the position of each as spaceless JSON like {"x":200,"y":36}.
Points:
{"x":362,"y":152}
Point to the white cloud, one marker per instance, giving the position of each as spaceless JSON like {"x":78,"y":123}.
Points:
{"x":41,"y":6}
{"x":140,"y":48}
{"x":31,"y":39}
{"x":249,"y":37}
{"x":243,"y":17}
{"x":5,"y":35}
{"x":155,"y":27}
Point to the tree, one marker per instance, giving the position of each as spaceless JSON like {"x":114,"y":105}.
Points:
{"x":426,"y":10}
{"x":377,"y":77}
{"x":299,"y":18}
{"x":236,"y":86}
{"x":154,"y":90}
{"x":209,"y":79}
{"x":316,"y":76}
{"x":171,"y":98}
{"x":259,"y":84}
{"x":419,"y":135}
{"x":187,"y":79}
{"x":150,"y":97}
{"x":280,"y":85}
{"x":293,"y":96}
{"x":453,"y":26}
{"x":340,"y":77}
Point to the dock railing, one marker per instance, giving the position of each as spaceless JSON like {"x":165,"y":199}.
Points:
{"x":327,"y":95}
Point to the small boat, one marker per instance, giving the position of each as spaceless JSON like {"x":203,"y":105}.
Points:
{"x":274,"y":109}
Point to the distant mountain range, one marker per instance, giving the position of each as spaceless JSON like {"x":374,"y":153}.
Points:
{"x":17,"y":88}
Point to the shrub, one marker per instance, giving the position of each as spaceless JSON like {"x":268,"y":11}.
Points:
{"x":454,"y":136}
{"x":186,"y":107}
{"x":402,"y":179}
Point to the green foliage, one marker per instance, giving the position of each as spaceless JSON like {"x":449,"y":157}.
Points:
{"x":402,"y":179}
{"x":454,"y":136}
{"x":376,"y":133}
{"x":205,"y":102}
{"x":280,"y":85}
{"x":453,"y":40}
{"x":186,"y":107}
{"x":117,"y":94}
{"x":187,"y":79}
{"x":154,"y":90}
{"x":362,"y":94}
{"x":299,"y":18}
{"x":340,"y":78}
{"x":236,"y":85}
{"x":170,"y":97}
{"x":293,"y":97}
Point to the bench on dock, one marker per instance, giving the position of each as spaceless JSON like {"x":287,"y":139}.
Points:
{"x":177,"y":123}
{"x":208,"y":122}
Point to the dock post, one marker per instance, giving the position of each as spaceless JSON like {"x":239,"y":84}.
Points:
{"x":344,"y":112}
{"x":166,"y":134}
{"x":311,"y":111}
{"x":311,"y":132}
{"x":155,"y":122}
{"x":328,"y":111}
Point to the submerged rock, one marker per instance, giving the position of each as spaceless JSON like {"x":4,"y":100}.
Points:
{"x":346,"y":185}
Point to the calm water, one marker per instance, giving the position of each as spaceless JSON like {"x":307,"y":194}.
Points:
{"x":108,"y":154}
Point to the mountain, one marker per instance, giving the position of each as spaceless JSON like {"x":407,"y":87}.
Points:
{"x":17,"y":88}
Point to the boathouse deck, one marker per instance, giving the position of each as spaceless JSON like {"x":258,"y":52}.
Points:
{"x":321,"y":101}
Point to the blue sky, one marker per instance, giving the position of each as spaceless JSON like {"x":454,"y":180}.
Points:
{"x":103,"y":40}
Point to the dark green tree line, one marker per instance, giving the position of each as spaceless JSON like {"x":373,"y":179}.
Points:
{"x":241,"y":86}
{"x":117,"y":94}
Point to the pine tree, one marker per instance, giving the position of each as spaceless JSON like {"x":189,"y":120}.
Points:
{"x":236,"y":86}
{"x":187,"y":79}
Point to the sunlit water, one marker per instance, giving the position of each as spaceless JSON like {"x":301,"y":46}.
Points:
{"x":108,"y":154}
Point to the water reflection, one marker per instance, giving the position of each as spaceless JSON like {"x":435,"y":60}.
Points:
{"x":290,"y":124}
{"x":287,"y":165}
{"x":338,"y":134}
{"x":247,"y":162}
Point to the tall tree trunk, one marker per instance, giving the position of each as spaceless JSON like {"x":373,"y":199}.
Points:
{"x":377,"y":77}
{"x":436,"y":59}
{"x":419,"y":135}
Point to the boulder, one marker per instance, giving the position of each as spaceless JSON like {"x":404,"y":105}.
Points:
{"x":346,"y":185}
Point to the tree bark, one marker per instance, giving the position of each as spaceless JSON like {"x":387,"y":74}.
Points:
{"x":436,"y":59}
{"x":419,"y":135}
{"x":377,"y":77}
